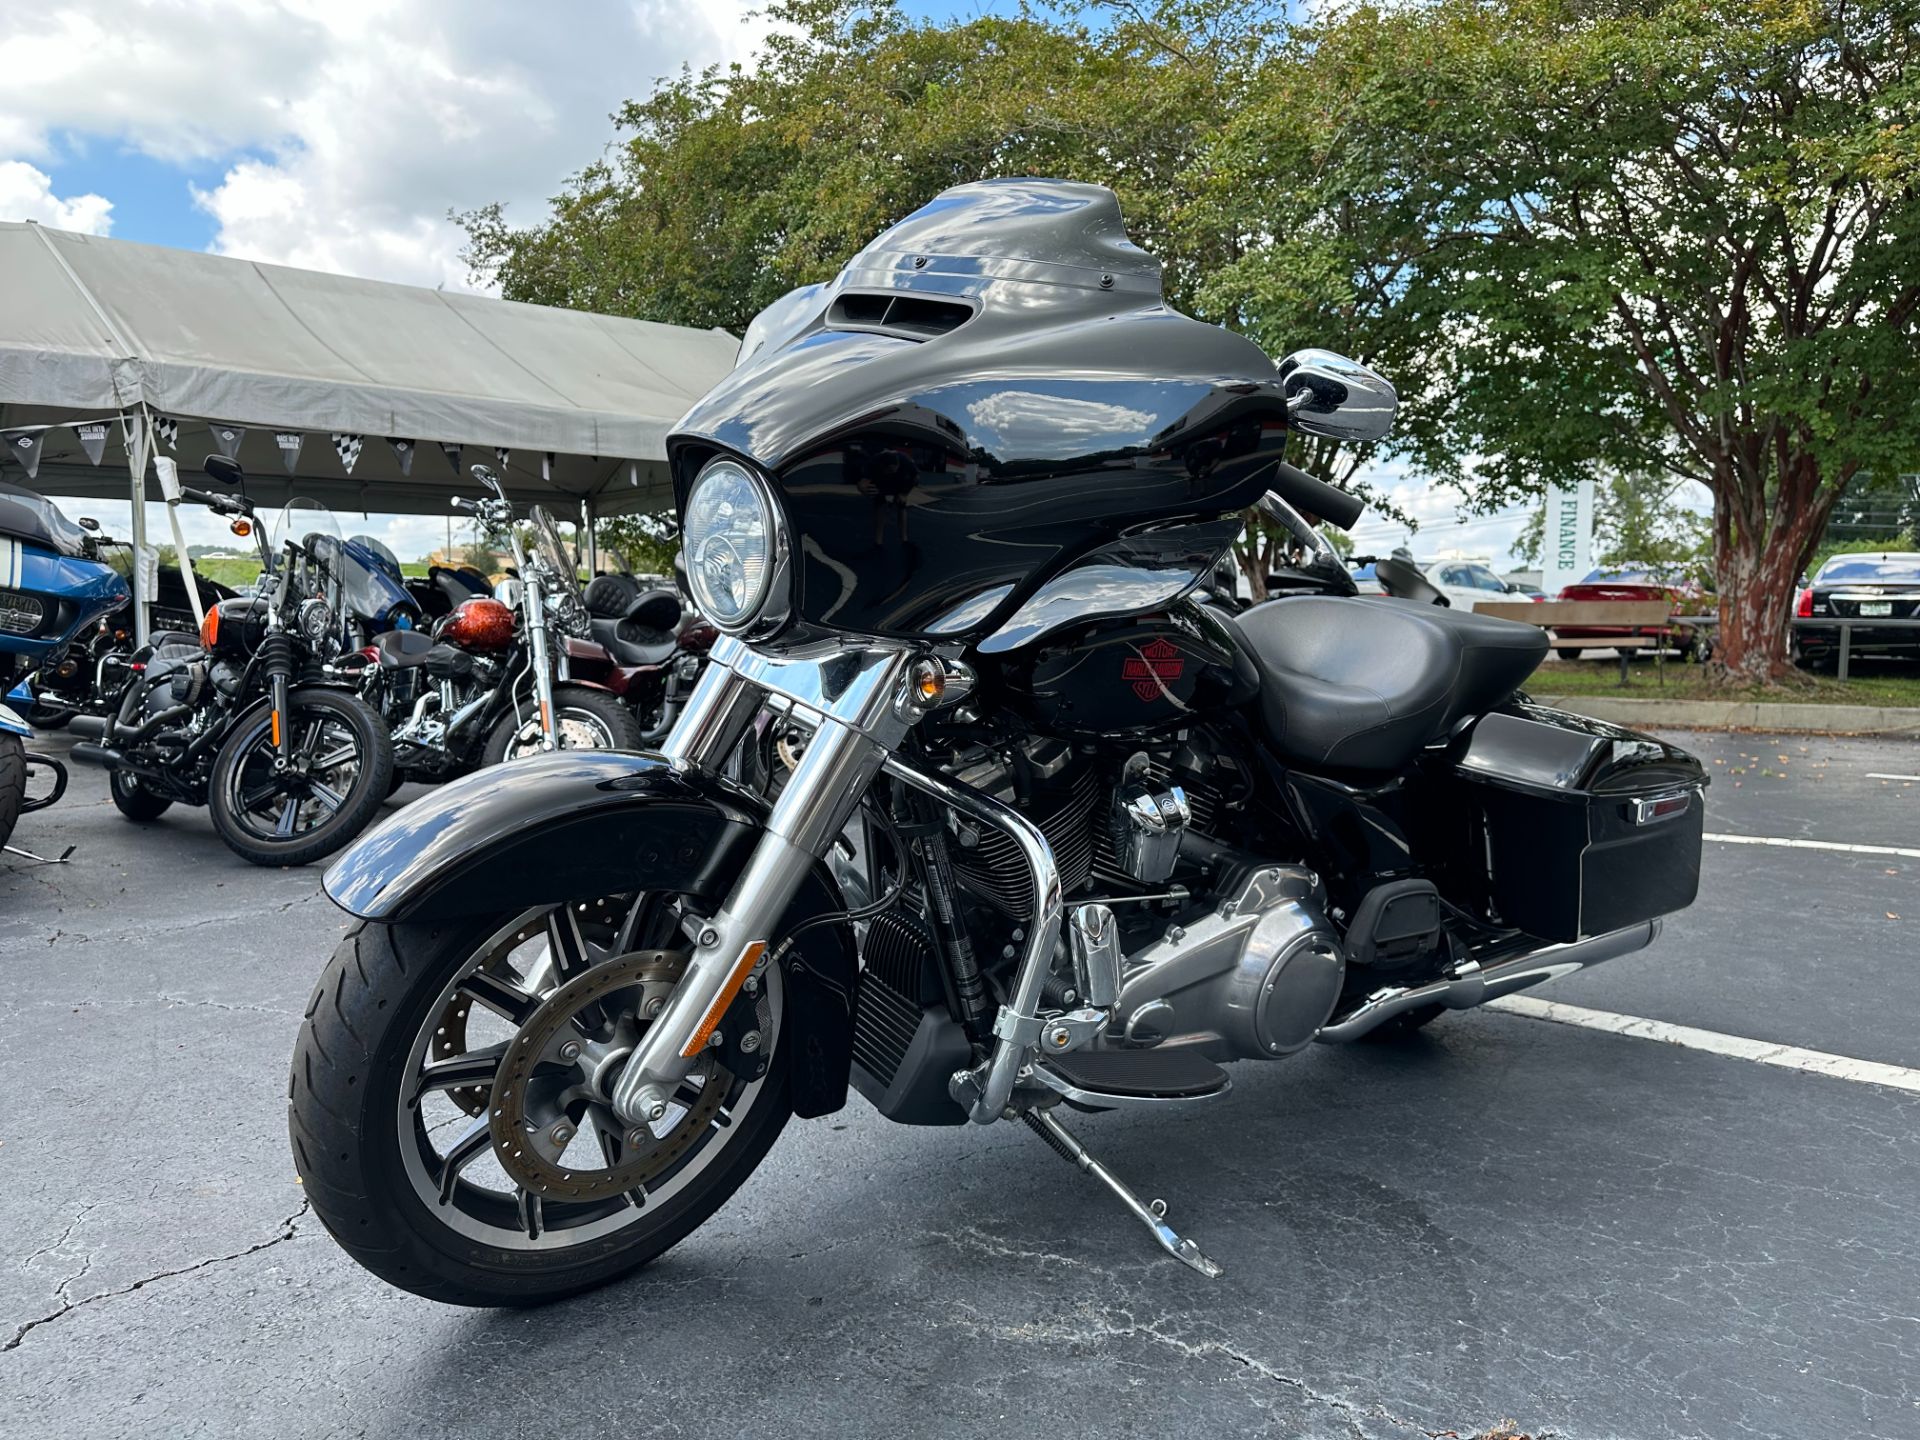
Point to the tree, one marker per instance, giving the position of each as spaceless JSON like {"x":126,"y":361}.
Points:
{"x":1636,"y":522}
{"x":1678,"y":237}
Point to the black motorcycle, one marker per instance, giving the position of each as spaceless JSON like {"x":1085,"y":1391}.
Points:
{"x":234,"y":719}
{"x":491,"y":678}
{"x":1064,"y":834}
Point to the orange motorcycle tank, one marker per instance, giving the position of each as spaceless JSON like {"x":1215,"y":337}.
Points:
{"x":478,"y":624}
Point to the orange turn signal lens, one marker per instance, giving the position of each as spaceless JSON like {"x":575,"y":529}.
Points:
{"x":210,"y":628}
{"x":743,"y":967}
{"x":241,"y":526}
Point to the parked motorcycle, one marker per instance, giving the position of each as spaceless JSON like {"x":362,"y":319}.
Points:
{"x":1063,"y":836}
{"x":647,"y":646}
{"x":490,"y":680}
{"x":290,"y":769}
{"x":54,"y":588}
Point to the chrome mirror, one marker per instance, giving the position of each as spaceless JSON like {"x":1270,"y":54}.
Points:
{"x":1336,"y":398}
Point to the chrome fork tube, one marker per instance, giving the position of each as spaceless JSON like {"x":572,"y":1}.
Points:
{"x":850,"y":741}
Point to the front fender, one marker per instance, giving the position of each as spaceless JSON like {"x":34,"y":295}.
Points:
{"x":582,"y":824}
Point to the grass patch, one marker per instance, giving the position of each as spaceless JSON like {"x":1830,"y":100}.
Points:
{"x":1872,"y":682}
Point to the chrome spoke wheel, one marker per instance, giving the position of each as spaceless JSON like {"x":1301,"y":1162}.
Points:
{"x":507,"y":1128}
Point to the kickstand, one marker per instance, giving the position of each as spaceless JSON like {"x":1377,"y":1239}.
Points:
{"x":1153,"y":1215}
{"x":59,"y":859}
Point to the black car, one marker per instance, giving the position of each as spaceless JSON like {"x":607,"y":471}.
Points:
{"x":1861,"y":588}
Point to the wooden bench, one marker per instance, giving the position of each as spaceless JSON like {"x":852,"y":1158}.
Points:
{"x":1634,"y":615}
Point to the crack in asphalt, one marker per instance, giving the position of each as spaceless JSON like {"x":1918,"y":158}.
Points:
{"x":81,"y":937}
{"x":68,"y":1305}
{"x":1099,"y":1326}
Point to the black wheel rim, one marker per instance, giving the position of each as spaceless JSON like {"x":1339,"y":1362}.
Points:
{"x":275,"y":807}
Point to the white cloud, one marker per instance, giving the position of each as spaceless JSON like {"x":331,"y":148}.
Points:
{"x":362,"y":122}
{"x":27,"y":194}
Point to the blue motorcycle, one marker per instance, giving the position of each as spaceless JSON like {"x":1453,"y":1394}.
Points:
{"x":53,"y":586}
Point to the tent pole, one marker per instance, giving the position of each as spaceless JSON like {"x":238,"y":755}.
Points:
{"x":169,"y":473}
{"x":592,"y":546}
{"x":134,"y":432}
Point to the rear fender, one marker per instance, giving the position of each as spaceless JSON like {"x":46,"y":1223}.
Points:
{"x":582,"y":824}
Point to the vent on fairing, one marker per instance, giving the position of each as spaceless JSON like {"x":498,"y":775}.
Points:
{"x":911,"y":317}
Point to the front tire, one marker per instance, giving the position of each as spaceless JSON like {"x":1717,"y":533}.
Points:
{"x":1568,"y":655}
{"x":13,"y":783}
{"x":134,"y":802}
{"x":402,"y":1167}
{"x":588,"y":719}
{"x":269,"y":819}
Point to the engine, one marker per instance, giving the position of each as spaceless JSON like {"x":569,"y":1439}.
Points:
{"x":1226,"y":950}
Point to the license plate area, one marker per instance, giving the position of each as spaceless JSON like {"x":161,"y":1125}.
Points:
{"x":1870,"y":608}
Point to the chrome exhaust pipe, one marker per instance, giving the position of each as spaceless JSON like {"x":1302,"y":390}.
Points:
{"x":1472,"y":984}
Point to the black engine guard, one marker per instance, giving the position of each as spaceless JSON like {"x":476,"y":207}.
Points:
{"x":580,"y":824}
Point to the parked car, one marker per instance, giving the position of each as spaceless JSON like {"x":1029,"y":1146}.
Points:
{"x":1526,"y":588}
{"x":1859,"y":587}
{"x":1468,"y":584}
{"x":1686,"y":594}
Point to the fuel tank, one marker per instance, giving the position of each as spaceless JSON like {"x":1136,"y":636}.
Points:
{"x":989,"y":393}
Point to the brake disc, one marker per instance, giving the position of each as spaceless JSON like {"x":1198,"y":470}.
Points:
{"x":557,"y":1076}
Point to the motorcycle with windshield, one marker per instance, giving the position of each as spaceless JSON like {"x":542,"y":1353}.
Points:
{"x":1064,"y":834}
{"x":491,"y":679}
{"x":55,"y":587}
{"x":289,"y":768}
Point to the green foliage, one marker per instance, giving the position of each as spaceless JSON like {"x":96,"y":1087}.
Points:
{"x":1674,"y":238}
{"x":1636,"y":522}
{"x":647,"y":543}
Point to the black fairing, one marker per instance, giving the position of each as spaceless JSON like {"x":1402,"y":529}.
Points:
{"x":29,"y":516}
{"x":1050,"y":404}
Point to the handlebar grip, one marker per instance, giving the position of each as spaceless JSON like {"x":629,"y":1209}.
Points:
{"x":1304,"y":492}
{"x":465,"y":506}
{"x":199,"y":497}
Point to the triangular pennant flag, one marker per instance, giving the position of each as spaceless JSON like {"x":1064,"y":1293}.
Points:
{"x":226,"y":439}
{"x":24,"y":446}
{"x":169,"y":431}
{"x":403,"y":452}
{"x":93,"y":439}
{"x":452,"y":452}
{"x":348,"y":448}
{"x":289,"y":442}
{"x":505,"y":457}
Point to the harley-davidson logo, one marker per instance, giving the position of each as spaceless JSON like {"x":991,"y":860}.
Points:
{"x":1153,"y":669}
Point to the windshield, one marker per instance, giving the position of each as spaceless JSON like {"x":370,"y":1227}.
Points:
{"x":32,"y":517}
{"x":552,"y":550}
{"x":1885,"y":569}
{"x":301,"y":521}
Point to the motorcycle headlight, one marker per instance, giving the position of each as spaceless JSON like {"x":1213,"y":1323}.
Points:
{"x":733,"y":544}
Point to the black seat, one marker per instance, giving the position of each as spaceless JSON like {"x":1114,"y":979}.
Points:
{"x":403,"y":649}
{"x":1363,"y":683}
{"x":631,"y":643}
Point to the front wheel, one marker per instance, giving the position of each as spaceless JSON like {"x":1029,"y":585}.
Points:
{"x":586,"y":719}
{"x":13,"y":783}
{"x":450,"y":1102}
{"x":342,"y":767}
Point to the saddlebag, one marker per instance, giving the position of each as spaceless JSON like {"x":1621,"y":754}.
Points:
{"x":1573,"y":827}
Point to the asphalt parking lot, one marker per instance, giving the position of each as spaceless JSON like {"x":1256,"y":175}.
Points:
{"x":1583,"y":1233}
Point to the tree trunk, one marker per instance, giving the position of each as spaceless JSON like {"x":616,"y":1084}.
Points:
{"x":1758,"y":566}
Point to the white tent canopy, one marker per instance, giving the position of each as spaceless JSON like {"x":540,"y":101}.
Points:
{"x":94,"y":329}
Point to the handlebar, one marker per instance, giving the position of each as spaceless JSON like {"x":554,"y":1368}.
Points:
{"x":464,"y":505}
{"x":213,"y":500}
{"x":1301,"y":490}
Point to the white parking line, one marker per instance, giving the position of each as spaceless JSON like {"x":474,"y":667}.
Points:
{"x":1910,"y":854}
{"x":1762,"y":1052}
{"x":1876,"y":775}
